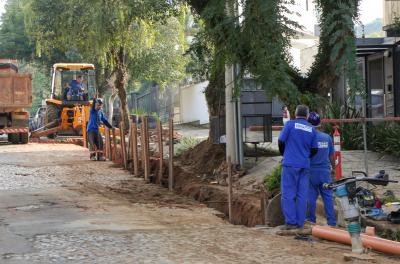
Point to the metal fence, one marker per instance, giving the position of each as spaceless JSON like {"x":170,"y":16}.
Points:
{"x":156,"y":102}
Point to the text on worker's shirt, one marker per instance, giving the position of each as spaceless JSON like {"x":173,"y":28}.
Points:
{"x":323,"y":144}
{"x":303,"y":127}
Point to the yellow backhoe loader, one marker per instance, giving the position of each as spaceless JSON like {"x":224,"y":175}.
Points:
{"x":67,"y":113}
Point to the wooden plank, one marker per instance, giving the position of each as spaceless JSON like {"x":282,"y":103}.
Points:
{"x":108,"y":143}
{"x":146,"y":159}
{"x":129,"y":145}
{"x":160,"y":152}
{"x":171,"y":155}
{"x":123,"y":146}
{"x":262,"y":204}
{"x":135,"y":156}
{"x":230,"y":190}
{"x":46,"y":132}
{"x":114,"y":141}
{"x":142,"y":144}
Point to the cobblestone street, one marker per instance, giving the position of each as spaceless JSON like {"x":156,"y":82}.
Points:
{"x":57,"y":207}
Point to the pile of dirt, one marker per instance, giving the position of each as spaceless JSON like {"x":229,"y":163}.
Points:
{"x":204,"y":158}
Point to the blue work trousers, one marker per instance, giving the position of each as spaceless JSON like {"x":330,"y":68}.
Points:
{"x":294,"y":189}
{"x":319,"y":176}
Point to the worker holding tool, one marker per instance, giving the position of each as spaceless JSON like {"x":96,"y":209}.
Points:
{"x":297,"y":144}
{"x":322,"y":169}
{"x":96,"y":117}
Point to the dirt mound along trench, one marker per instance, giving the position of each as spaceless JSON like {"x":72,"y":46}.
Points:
{"x":246,"y":207}
{"x":204,"y":158}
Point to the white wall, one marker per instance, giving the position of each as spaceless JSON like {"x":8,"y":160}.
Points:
{"x":304,"y":13}
{"x":193,"y":103}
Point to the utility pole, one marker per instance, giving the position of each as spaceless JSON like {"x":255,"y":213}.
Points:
{"x":233,"y":117}
{"x":230,"y":114}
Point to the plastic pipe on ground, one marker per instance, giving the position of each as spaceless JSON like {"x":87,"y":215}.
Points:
{"x":342,"y":236}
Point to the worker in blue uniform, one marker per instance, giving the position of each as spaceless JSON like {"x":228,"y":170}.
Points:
{"x":75,"y":89}
{"x":96,"y":117}
{"x":322,"y":168}
{"x":297,"y":144}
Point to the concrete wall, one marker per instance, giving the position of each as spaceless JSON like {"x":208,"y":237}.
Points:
{"x":193,"y":104}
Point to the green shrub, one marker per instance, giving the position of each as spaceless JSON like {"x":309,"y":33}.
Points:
{"x":384,"y":138}
{"x":185,"y":144}
{"x":272,"y":181}
{"x":351,"y":133}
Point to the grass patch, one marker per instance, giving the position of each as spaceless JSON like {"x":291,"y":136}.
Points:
{"x":272,"y":181}
{"x":185,"y":144}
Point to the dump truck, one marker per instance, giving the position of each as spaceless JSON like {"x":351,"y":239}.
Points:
{"x":15,"y":97}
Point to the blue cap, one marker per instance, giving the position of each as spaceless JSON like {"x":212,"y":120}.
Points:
{"x":314,"y":119}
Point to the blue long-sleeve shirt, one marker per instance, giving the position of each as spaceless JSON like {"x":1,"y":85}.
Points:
{"x":96,"y":117}
{"x":299,"y":137}
{"x":325,"y":151}
{"x":75,"y":87}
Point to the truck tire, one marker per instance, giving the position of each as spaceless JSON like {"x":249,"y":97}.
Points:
{"x":53,"y":113}
{"x":13,"y":138}
{"x":23,"y":138}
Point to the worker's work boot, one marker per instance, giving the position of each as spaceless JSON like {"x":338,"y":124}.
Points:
{"x":100,"y":157}
{"x":288,"y":227}
{"x":93,"y":156}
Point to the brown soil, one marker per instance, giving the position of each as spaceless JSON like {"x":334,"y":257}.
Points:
{"x":189,"y":180}
{"x":194,"y":177}
{"x":204,"y":158}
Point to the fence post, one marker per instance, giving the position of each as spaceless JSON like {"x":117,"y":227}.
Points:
{"x":108,"y":143}
{"x":135,"y":150}
{"x":129,"y":146}
{"x":84,"y":128}
{"x":230,"y":190}
{"x":114,"y":139}
{"x":123,"y":145}
{"x":262,"y":204}
{"x":142,"y":144}
{"x":171,"y":155}
{"x":160,"y":151}
{"x":364,"y":127}
{"x":146,"y":149}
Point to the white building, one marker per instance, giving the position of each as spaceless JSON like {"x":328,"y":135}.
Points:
{"x":192,"y":104}
{"x":305,"y":44}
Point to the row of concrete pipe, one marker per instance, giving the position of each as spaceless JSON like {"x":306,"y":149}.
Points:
{"x":369,"y":240}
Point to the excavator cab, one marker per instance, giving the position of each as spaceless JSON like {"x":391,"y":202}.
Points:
{"x":73,"y":86}
{"x":67,"y":75}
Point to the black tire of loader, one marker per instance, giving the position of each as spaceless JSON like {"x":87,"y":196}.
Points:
{"x":53,"y":113}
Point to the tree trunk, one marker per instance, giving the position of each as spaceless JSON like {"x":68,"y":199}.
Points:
{"x":215,"y":96}
{"x":111,"y":104}
{"x":120,"y":82}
